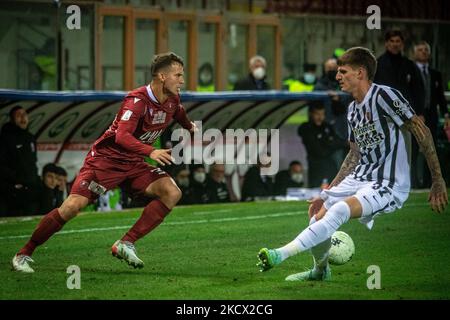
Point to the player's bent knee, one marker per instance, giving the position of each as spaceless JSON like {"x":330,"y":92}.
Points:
{"x":72,"y":206}
{"x":171,"y":195}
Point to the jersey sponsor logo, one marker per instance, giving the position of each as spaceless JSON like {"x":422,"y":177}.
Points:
{"x":400,"y":108}
{"x":367,"y":136}
{"x":160,"y":117}
{"x":127,"y":115}
{"x":150,"y":136}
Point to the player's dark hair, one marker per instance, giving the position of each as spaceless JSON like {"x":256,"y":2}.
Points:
{"x":295,"y":163}
{"x":13,"y":111}
{"x":60,"y":171}
{"x":164,"y":60}
{"x":316,"y":106}
{"x":360,"y":57}
{"x":393,"y":33}
{"x":49,"y":167}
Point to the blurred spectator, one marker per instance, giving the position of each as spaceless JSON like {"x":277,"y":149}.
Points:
{"x":199,"y":191}
{"x":48,"y":197}
{"x":215,"y":184}
{"x":291,"y":178}
{"x":256,"y":79}
{"x":206,"y":78}
{"x":320,"y":142}
{"x":257,"y":185}
{"x":398,"y":72}
{"x":61,"y":185}
{"x":336,"y":112}
{"x":434,"y":97}
{"x":19,"y":180}
{"x":305,"y":83}
{"x":182,"y":179}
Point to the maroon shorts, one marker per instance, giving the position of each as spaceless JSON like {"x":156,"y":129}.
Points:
{"x":100,"y":174}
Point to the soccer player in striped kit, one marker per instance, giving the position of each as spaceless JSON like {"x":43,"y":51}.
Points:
{"x":117,"y":158}
{"x":375,"y":176}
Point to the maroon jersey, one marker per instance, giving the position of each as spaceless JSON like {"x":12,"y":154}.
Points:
{"x":139,"y":122}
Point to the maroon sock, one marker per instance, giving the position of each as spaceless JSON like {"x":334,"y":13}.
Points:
{"x":51,"y":223}
{"x":154,"y":213}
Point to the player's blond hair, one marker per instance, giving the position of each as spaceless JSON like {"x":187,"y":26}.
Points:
{"x":360,"y":57}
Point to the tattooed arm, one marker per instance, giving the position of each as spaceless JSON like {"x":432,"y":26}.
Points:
{"x":438,"y":194}
{"x":347,"y":167}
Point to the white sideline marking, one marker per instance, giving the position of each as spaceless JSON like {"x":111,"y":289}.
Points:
{"x":174,"y":223}
{"x":212,"y":211}
{"x":280,"y":214}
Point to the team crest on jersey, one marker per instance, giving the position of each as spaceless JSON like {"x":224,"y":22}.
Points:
{"x":160,"y":117}
{"x":400,"y":108}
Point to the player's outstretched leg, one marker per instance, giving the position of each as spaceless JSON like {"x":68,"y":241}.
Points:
{"x":321,"y":269}
{"x":168,"y":194}
{"x":48,"y":226}
{"x":313,"y":235}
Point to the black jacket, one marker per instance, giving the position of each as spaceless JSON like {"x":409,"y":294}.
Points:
{"x":437,"y":99}
{"x":17,"y":158}
{"x":400,"y":73}
{"x":320,"y":143}
{"x":250,"y":83}
{"x":283,"y":181}
{"x":255,"y":186}
{"x":217,"y":191}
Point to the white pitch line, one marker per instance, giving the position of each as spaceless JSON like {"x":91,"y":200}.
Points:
{"x":174,"y":223}
{"x":212,"y":211}
{"x":280,"y":214}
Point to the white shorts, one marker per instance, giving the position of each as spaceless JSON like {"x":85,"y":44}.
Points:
{"x":375,"y":199}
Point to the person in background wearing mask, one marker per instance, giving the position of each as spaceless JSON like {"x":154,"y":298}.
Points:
{"x":291,"y":178}
{"x":182,"y":180}
{"x":19,"y":180}
{"x":215,"y":184}
{"x":198,"y":188}
{"x":256,"y":80}
{"x":206,"y":78}
{"x":306,"y":82}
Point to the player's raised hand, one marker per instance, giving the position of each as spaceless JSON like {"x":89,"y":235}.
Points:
{"x":438,"y":195}
{"x":162,"y":156}
{"x":314,"y":206}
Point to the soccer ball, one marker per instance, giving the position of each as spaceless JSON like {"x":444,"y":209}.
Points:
{"x":342,"y":248}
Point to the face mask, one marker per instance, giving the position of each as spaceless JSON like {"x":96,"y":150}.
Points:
{"x":309,"y":78}
{"x":259,"y":73}
{"x":199,"y":177}
{"x":184,"y":182}
{"x":332,"y":75}
{"x":297,"y":177}
{"x":205,"y":78}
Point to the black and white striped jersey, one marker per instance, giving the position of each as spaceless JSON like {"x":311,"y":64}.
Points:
{"x":375,"y":125}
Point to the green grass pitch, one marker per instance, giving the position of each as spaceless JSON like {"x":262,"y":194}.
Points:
{"x":209,"y":252}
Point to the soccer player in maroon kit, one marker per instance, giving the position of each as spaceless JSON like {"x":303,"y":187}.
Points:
{"x":117,"y":158}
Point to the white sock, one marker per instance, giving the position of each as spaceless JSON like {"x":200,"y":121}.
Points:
{"x":318,"y":232}
{"x":320,"y":252}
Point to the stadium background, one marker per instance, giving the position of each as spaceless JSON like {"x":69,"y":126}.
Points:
{"x":111,"y":53}
{"x":117,"y":38}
